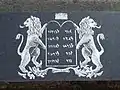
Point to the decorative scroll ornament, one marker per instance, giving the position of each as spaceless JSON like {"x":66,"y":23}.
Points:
{"x":86,"y":40}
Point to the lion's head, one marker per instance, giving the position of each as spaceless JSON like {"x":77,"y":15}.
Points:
{"x":86,"y":26}
{"x":33,"y":24}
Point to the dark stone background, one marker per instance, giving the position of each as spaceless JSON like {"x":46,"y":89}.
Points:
{"x":60,"y":5}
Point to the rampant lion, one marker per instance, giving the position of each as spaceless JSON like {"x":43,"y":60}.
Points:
{"x":89,"y":50}
{"x":31,"y":50}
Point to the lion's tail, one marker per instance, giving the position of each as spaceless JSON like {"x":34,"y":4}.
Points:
{"x":100,"y":36}
{"x":18,"y":37}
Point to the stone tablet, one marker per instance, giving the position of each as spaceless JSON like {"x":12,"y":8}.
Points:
{"x":61,"y":42}
{"x":59,"y":46}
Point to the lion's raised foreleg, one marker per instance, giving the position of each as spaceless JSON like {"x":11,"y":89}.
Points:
{"x":42,"y":44}
{"x":38,"y":41}
{"x":86,"y":55}
{"x":36,"y":54}
{"x":83,"y":40}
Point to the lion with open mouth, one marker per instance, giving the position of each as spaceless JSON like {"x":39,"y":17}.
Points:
{"x":31,"y":50}
{"x":89,"y":50}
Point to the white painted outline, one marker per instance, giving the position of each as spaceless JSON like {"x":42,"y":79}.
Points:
{"x":46,"y":46}
{"x":75,"y":49}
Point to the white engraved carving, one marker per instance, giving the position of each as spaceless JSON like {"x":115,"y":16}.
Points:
{"x":33,"y":33}
{"x":68,"y":31}
{"x":54,"y":53}
{"x":89,"y":50}
{"x":53,"y":31}
{"x":69,"y":53}
{"x":53,"y":38}
{"x":68,"y":38}
{"x":61,"y":16}
{"x":68,"y":45}
{"x":53,"y":46}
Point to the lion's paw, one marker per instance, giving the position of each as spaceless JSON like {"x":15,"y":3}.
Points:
{"x":31,"y":76}
{"x":45,"y":47}
{"x":77,"y":47}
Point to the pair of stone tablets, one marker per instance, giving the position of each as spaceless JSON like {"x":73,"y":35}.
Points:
{"x":60,"y":46}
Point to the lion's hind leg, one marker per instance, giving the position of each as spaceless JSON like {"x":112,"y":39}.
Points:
{"x":86,"y":55}
{"x":24,"y":62}
{"x":35,"y":56}
{"x":97,"y":63}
